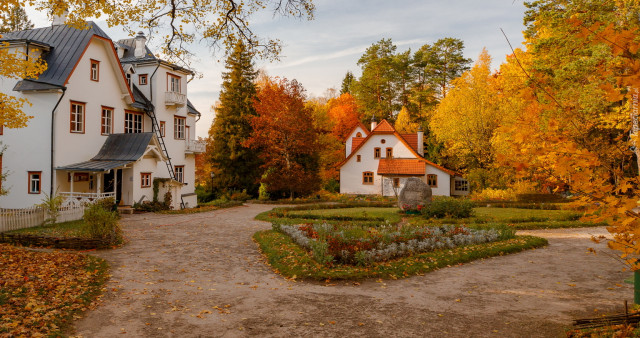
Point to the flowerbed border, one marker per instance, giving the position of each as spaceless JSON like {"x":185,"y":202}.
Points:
{"x":292,"y":261}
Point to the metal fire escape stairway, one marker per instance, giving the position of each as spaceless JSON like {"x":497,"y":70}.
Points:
{"x":156,"y":129}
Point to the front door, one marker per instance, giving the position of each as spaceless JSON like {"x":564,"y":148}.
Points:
{"x":110,"y":183}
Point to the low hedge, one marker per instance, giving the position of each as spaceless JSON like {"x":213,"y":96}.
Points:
{"x":292,"y":261}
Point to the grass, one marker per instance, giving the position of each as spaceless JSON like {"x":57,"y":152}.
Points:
{"x":292,"y":261}
{"x":520,"y":219}
{"x":365,"y":214}
{"x":41,"y":292}
{"x":65,"y":229}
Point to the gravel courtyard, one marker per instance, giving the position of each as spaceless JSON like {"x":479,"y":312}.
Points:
{"x":200,"y":275}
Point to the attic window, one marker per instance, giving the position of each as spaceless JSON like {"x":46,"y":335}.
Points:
{"x":359,"y":134}
{"x":142,"y":79}
{"x":95,"y":70}
{"x":383,"y":141}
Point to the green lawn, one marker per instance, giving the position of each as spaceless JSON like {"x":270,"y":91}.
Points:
{"x":368,"y":213}
{"x":370,"y":216}
{"x":524,"y":215}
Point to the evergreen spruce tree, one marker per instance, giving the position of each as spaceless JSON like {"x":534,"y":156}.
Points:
{"x":236,"y":167}
{"x":15,"y":20}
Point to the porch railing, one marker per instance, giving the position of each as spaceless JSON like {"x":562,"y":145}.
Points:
{"x":80,"y":198}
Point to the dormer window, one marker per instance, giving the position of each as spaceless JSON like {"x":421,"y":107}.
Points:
{"x":95,"y":70}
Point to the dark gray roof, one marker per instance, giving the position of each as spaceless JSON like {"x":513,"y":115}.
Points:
{"x":67,"y":44}
{"x":124,"y":147}
{"x":118,"y":150}
{"x":141,"y":101}
{"x":191,"y":109}
{"x":94,"y":166}
{"x":26,"y":85}
{"x":129,"y":50}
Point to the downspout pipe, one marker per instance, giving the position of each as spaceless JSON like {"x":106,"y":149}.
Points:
{"x":53,"y":118}
{"x":151,"y":82}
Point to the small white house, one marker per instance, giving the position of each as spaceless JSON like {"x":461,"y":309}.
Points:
{"x":378,"y":162}
{"x":108,"y":118}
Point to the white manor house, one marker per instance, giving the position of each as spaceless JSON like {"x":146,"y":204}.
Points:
{"x":108,"y":118}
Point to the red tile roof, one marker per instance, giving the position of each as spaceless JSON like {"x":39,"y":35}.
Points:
{"x":355,"y":142}
{"x":401,"y":166}
{"x":412,"y":140}
{"x":384,"y":126}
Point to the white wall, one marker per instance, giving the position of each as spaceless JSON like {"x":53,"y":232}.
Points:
{"x":349,"y":142}
{"x":351,"y":172}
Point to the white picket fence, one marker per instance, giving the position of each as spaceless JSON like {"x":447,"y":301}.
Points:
{"x":14,"y":219}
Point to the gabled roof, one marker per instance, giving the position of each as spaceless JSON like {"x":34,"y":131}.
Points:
{"x":118,"y":150}
{"x":67,"y":46}
{"x":386,"y":128}
{"x":412,"y":140}
{"x":129,"y":47}
{"x":191,"y":109}
{"x":355,"y":143}
{"x":401,"y":166}
{"x":366,"y":131}
{"x":140,"y":101}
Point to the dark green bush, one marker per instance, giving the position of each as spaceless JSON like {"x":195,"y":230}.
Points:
{"x":102,"y":223}
{"x":448,"y":207}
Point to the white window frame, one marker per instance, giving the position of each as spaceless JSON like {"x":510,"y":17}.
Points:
{"x":135,"y":125}
{"x":179,"y":130}
{"x":106,"y":121}
{"x":179,"y":173}
{"x":76,"y":123}
{"x":35,"y":182}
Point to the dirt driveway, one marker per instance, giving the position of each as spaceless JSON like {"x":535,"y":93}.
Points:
{"x":201,"y":275}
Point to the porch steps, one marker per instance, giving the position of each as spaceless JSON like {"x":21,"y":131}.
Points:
{"x":125,"y":210}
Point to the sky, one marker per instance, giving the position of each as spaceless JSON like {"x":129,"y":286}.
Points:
{"x":318,"y":53}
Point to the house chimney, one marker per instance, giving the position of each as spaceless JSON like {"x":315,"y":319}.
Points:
{"x":140,"y":46}
{"x":420,"y":141}
{"x":60,"y":19}
{"x":374,"y":123}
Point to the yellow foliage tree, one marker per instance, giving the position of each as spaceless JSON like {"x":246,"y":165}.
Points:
{"x":466,"y":119}
{"x":403,"y":122}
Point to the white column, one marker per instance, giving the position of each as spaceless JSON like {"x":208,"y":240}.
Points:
{"x":71,"y":184}
{"x":99,"y":183}
{"x":115,"y":183}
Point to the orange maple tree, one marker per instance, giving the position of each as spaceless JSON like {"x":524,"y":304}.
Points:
{"x":285,"y":139}
{"x":343,"y":112}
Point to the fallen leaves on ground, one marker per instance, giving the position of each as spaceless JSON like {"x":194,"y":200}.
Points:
{"x":40,"y":291}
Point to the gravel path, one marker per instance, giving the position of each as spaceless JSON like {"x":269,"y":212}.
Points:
{"x":201,"y":275}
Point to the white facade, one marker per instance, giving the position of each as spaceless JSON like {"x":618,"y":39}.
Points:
{"x":54,"y":139}
{"x":365,"y":161}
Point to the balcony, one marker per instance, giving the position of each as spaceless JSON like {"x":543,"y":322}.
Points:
{"x":175,"y":99}
{"x":195,"y":146}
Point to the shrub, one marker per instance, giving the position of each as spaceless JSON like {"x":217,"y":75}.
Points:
{"x":107,"y":203}
{"x":103,"y":223}
{"x":490,"y":194}
{"x":240,"y":196}
{"x":52,"y":205}
{"x":448,"y":207}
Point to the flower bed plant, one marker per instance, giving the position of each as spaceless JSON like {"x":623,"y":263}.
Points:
{"x":292,"y":261}
{"x":364,"y":245}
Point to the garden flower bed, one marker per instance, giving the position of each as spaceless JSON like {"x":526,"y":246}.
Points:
{"x":364,"y":245}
